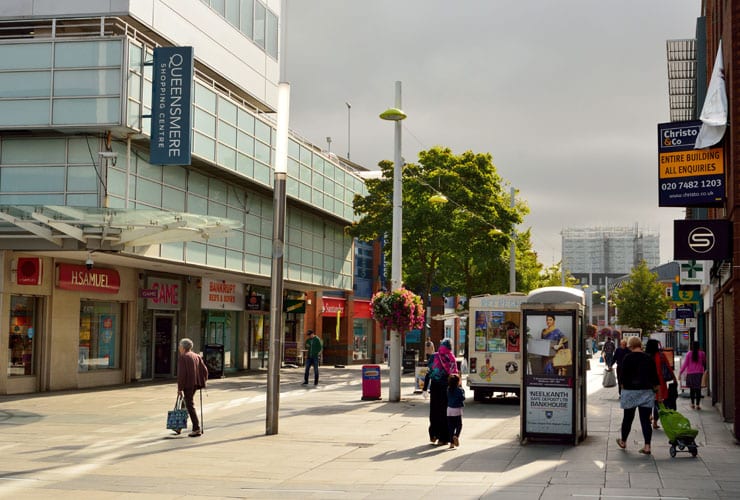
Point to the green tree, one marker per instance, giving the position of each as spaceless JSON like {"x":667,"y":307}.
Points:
{"x":553,"y":276}
{"x":641,"y":301}
{"x":460,"y":246}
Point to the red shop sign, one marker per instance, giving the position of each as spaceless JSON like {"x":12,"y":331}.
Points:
{"x":362,"y":309}
{"x":80,"y":278}
{"x":330,"y":306}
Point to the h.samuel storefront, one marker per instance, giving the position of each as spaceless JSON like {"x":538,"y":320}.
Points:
{"x":83,"y":315}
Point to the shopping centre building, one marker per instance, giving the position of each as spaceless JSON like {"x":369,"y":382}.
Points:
{"x":109,"y":256}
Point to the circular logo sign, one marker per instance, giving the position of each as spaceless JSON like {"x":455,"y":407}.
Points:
{"x":701,"y":240}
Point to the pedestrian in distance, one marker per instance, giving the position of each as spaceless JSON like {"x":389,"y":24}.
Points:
{"x":442,"y":366}
{"x":428,"y":348}
{"x":455,"y":403}
{"x":665,"y":375}
{"x":694,"y":365}
{"x":609,"y":349}
{"x":192,"y":375}
{"x":619,"y":355}
{"x":639,"y":386}
{"x":313,"y":350}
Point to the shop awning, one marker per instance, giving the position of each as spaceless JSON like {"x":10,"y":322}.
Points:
{"x":65,"y":227}
{"x":452,"y":315}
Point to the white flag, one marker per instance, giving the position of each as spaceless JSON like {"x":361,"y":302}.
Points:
{"x":714,"y":113}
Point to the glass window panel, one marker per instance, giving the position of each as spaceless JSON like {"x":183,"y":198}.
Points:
{"x":215,"y":256}
{"x":20,"y":338}
{"x":216,"y":209}
{"x":205,"y":122}
{"x":20,"y":151}
{"x":232,"y":12}
{"x":135,"y":56}
{"x":32,"y":199}
{"x":82,"y":54}
{"x":25,"y":56}
{"x":172,"y":251}
{"x":293,"y":170}
{"x":246,"y":121}
{"x":85,"y":200}
{"x":198,"y":184}
{"x":134,"y":85}
{"x":233,"y":260}
{"x":226,"y":157}
{"x":244,"y":165}
{"x":226,"y":110}
{"x":173,"y":199}
{"x":305,"y":174}
{"x":90,"y":82}
{"x":262,"y":173}
{"x":262,"y":131}
{"x":227,"y":134}
{"x":204,"y":146}
{"x":305,"y":155}
{"x":25,"y":112}
{"x":246,"y":15}
{"x":25,"y":84}
{"x":219,"y":6}
{"x":133,"y":115}
{"x":146,"y":169}
{"x":271,"y":35}
{"x":294,"y":149}
{"x":245,"y":143}
{"x":235,"y":240}
{"x":148,"y":192}
{"x":260,"y":13}
{"x":292,"y":189}
{"x":82,"y":179}
{"x":197,"y":205}
{"x":116,"y":182}
{"x":205,"y":98}
{"x":87,"y":111}
{"x":262,"y":152}
{"x":35,"y":179}
{"x":195,"y":252}
{"x":217,"y":190}
{"x":175,"y":176}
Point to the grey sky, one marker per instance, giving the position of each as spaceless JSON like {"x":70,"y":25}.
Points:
{"x":565,"y":95}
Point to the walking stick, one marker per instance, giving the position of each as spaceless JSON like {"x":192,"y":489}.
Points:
{"x":202,"y":422}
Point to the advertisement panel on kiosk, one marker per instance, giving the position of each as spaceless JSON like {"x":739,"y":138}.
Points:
{"x":553,"y":394}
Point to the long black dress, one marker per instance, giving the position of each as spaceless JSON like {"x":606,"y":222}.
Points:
{"x":438,"y":411}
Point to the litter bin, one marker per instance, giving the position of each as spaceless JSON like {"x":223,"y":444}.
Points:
{"x":370,"y":382}
{"x":409,"y":360}
{"x":213,"y":355}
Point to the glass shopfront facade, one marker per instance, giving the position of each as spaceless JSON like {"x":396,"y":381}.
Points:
{"x":100,"y":336}
{"x":22,"y":333}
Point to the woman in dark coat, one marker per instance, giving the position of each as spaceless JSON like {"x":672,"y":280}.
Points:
{"x":443,"y":364}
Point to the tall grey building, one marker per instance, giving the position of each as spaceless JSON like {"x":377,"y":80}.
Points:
{"x":608,"y":250}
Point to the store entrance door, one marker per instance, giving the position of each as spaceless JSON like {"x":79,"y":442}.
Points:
{"x":164,"y":345}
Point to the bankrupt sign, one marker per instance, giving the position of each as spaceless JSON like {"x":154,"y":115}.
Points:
{"x":219,"y":294}
{"x":688,"y":176}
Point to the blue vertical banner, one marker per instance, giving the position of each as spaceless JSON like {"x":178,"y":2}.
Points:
{"x":171,"y":106}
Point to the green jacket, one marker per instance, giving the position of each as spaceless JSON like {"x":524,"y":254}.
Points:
{"x":314,"y":347}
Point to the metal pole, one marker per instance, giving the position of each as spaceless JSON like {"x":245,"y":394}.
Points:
{"x":512,"y":253}
{"x":278,"y":246}
{"x":349,"y":106}
{"x":396,"y":235}
{"x":606,"y":301}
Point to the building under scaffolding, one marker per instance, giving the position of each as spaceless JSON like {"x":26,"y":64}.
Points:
{"x":609,"y":250}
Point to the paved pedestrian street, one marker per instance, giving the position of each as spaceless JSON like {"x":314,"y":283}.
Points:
{"x":112,"y":444}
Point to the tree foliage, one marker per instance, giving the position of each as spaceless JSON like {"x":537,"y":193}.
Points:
{"x":641,"y":301}
{"x":460,"y":247}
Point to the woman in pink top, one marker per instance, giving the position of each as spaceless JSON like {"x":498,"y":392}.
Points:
{"x":694,"y":365}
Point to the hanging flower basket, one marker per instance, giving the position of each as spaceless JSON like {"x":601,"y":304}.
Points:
{"x":400,"y":310}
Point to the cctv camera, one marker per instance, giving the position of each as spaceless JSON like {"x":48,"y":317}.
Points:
{"x":89,"y":263}
{"x":108,"y":154}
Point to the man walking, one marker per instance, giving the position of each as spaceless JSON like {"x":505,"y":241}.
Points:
{"x":192,"y":375}
{"x":313,"y":349}
{"x":609,"y":348}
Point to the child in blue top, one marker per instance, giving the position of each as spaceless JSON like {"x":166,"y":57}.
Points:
{"x":455,"y":403}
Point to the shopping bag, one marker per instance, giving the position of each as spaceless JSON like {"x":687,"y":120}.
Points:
{"x":610,"y":379}
{"x":562,"y":358}
{"x":675,"y":425}
{"x":177,"y":418}
{"x":705,"y":379}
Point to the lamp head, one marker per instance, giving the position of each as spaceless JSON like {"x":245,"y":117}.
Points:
{"x":393,"y":114}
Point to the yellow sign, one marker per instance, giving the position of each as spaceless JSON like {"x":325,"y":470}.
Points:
{"x":691,"y":163}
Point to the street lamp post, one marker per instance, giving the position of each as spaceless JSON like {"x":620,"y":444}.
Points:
{"x":396,"y":115}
